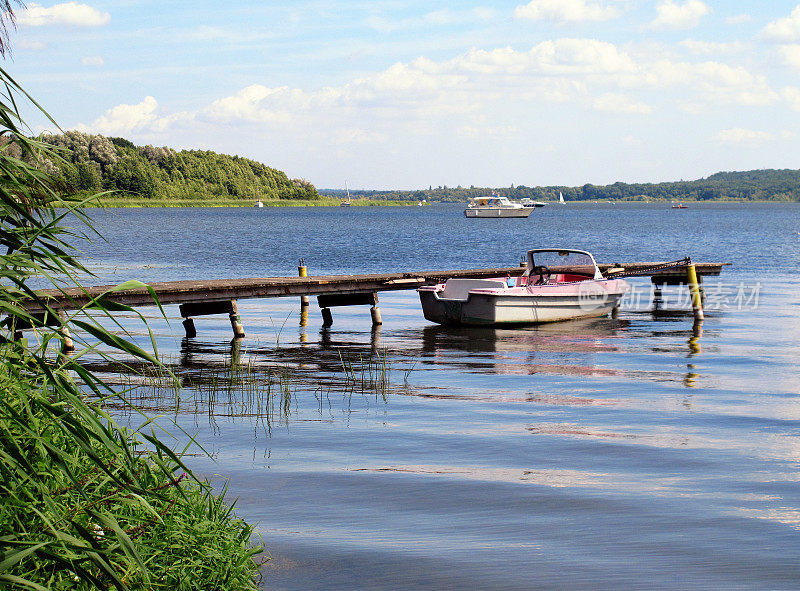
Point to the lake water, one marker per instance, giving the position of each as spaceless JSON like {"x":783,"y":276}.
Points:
{"x":638,"y":452}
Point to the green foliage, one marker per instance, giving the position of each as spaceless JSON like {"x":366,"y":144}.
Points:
{"x":162,"y":173}
{"x":131,"y":175}
{"x":753,"y":185}
{"x":85,"y":503}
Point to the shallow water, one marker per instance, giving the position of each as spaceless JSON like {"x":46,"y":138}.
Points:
{"x":604,"y":454}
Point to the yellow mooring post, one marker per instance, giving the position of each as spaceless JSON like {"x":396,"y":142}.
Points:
{"x":694,"y":291}
{"x":302,"y":271}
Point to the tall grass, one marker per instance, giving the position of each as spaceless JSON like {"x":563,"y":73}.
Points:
{"x":84,"y":502}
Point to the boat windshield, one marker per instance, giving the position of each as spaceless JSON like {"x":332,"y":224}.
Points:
{"x":565,"y":258}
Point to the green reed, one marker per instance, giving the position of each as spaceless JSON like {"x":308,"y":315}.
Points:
{"x":84,"y":502}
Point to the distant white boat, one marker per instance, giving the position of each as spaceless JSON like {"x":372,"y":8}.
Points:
{"x":531,"y":203}
{"x":496,"y":207}
{"x":259,"y":203}
{"x":560,"y":197}
{"x":346,"y":203}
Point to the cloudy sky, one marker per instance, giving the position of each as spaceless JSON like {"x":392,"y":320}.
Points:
{"x":391,"y":94}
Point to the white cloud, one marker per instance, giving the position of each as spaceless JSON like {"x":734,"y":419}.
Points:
{"x":791,"y":95}
{"x":204,"y":33}
{"x":711,"y":47}
{"x":68,"y":13}
{"x":355,"y":135}
{"x":258,"y":103}
{"x":737,"y":135}
{"x":584,"y":57}
{"x":784,"y":30}
{"x":566,"y":10}
{"x":126,"y":119}
{"x":693,"y":107}
{"x":672,"y":15}
{"x":93,"y":60}
{"x":738,"y":19}
{"x":478,"y":129}
{"x":716,"y":82}
{"x":32,"y":45}
{"x":790,"y":55}
{"x":437,"y":18}
{"x":423,"y":95}
{"x":552,"y":71}
{"x":619,"y":103}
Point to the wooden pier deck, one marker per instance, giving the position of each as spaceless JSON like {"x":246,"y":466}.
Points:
{"x":220,"y":296}
{"x":220,"y":290}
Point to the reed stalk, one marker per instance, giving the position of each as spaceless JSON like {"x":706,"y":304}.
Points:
{"x":84,"y":502}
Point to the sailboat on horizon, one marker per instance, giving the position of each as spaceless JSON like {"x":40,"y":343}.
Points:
{"x":561,"y":198}
{"x":346,"y":203}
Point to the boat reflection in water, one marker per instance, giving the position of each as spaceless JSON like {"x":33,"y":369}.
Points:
{"x":592,"y":348}
{"x":566,"y":348}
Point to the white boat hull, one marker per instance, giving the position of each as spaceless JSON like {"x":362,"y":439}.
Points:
{"x":490,"y":212}
{"x":540,"y":304}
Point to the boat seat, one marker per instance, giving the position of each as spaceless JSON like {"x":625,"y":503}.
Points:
{"x":458,"y":289}
{"x":567,"y":278}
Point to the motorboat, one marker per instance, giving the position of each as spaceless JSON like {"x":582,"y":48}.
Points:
{"x":496,"y":207}
{"x":679,"y":206}
{"x":259,"y":203}
{"x":531,"y":203}
{"x":557,"y":284}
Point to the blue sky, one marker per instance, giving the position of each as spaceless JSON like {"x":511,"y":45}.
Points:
{"x":389,"y":94}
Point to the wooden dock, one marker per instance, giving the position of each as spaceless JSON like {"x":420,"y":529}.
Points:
{"x":220,"y":296}
{"x":215,"y":290}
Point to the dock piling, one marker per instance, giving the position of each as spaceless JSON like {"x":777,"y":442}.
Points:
{"x":236,"y":321}
{"x":327,"y":318}
{"x":68,"y":345}
{"x":188,"y":326}
{"x":302,"y":271}
{"x":657,"y":296}
{"x":694,"y":291}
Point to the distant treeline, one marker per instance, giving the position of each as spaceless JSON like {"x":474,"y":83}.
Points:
{"x":752,"y":185}
{"x":95,"y":163}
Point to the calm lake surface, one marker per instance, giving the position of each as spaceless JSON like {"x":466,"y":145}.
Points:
{"x":606,"y":454}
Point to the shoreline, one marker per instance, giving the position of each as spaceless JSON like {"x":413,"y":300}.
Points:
{"x":128,"y":203}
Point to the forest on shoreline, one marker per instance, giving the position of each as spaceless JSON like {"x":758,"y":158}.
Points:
{"x":91,"y":163}
{"x":751,"y":185}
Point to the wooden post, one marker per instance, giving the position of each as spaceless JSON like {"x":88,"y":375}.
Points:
{"x":657,"y":299}
{"x":694,"y":291}
{"x":188,"y":326}
{"x":236,"y":351}
{"x":328,"y":301}
{"x":68,"y":345}
{"x":236,"y":321}
{"x":375,"y":339}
